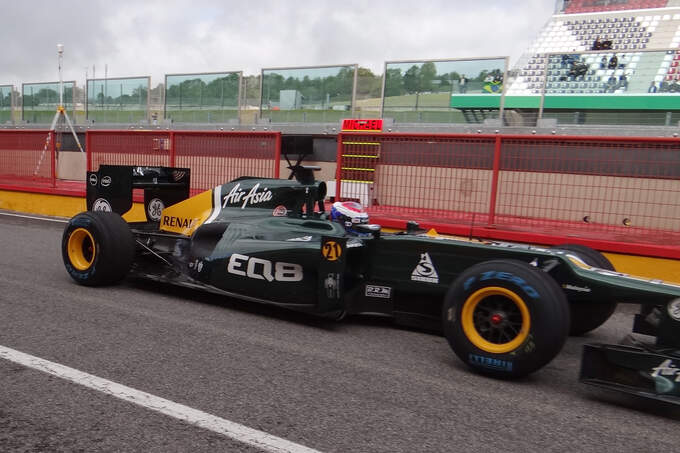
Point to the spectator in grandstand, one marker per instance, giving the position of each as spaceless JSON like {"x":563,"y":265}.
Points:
{"x":611,"y":84}
{"x":606,"y":44}
{"x":675,"y":86}
{"x":603,"y":62}
{"x":623,"y":81}
{"x":652,"y":87}
{"x":578,"y":69}
{"x":597,"y":44}
{"x":565,"y":60}
{"x":613,"y":62}
{"x":622,"y":62}
{"x":462,"y":84}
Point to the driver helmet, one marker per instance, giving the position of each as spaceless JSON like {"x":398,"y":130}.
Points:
{"x":349,"y":214}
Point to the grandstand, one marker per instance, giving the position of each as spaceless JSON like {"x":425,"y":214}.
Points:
{"x":591,"y":50}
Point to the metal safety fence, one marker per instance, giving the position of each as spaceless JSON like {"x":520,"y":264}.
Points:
{"x":27,"y":156}
{"x":214,"y":157}
{"x":591,"y":187}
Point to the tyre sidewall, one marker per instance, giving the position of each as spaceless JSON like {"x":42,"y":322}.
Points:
{"x":114,"y":248}
{"x":548,"y":314}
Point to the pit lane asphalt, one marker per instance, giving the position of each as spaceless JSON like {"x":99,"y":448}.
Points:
{"x":360,"y":385}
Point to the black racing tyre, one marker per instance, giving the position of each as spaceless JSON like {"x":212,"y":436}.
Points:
{"x":97,"y":248}
{"x":505,"y":318}
{"x":587,"y":315}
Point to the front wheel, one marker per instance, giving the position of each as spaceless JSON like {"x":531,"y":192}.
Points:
{"x":587,"y":315}
{"x":97,"y":248}
{"x":505,"y":318}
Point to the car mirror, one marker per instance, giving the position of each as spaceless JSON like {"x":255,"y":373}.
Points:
{"x":368,"y":228}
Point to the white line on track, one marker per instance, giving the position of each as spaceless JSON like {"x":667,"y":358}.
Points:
{"x":33,"y":217}
{"x":235,"y":431}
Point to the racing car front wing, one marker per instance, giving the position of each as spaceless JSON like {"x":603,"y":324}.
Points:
{"x":645,"y":372}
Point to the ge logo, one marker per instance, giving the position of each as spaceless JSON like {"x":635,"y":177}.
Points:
{"x":331,"y":250}
{"x":155,"y":209}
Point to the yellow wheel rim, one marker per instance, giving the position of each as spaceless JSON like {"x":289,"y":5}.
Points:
{"x":81,"y":249}
{"x":495,"y":320}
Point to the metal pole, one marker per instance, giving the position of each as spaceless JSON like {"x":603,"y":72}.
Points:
{"x":60,"y":52}
{"x":382,"y":91}
{"x":354,"y":88}
{"x":501,"y":106}
{"x":545,"y":82}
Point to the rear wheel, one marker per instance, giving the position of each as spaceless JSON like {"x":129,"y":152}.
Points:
{"x":587,"y":315}
{"x":505,"y":318}
{"x":97,"y":248}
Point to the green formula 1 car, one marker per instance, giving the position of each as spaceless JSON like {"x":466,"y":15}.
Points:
{"x":506,"y":309}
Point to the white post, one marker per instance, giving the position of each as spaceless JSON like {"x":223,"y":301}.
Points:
{"x":60,"y":51}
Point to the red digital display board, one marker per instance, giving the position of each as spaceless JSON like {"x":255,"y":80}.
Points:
{"x":374,"y":125}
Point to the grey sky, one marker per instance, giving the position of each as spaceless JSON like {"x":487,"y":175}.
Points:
{"x":136,"y":38}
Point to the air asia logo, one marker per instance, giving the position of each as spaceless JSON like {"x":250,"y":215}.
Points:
{"x":178,"y":222}
{"x":259,"y":269}
{"x":100,"y":204}
{"x":237,"y":195}
{"x":155,"y":209}
{"x":93,"y":179}
{"x":425,"y":271}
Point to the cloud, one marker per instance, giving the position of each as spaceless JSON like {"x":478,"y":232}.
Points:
{"x":166,"y":37}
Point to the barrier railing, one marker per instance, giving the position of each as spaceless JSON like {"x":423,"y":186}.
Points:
{"x":213,"y":156}
{"x":27,"y":157}
{"x":596,"y":188}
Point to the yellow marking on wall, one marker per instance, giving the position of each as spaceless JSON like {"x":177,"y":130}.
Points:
{"x":361,"y":155}
{"x":356,"y":180}
{"x":43,"y":204}
{"x":185,"y":216}
{"x":56,"y":205}
{"x":359,"y":169}
{"x":361,"y":143}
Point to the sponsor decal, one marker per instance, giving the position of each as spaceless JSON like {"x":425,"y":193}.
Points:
{"x":196,"y":264}
{"x":490,"y":362}
{"x":331,"y":250}
{"x":582,"y":289}
{"x":280,"y":211}
{"x":332,"y":285}
{"x":93,"y":179}
{"x":353,"y":242}
{"x":179,"y":222}
{"x":674,"y":309}
{"x":425,"y":270}
{"x":260,"y":269}
{"x":178,"y":175}
{"x":106,"y":181}
{"x":513,"y":279}
{"x":239,"y":196}
{"x":381,"y":292}
{"x":301,"y":239}
{"x":100,"y":204}
{"x":666,"y":368}
{"x":155,"y":208}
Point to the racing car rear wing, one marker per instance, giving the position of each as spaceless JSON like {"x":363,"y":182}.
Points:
{"x":111,"y":188}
